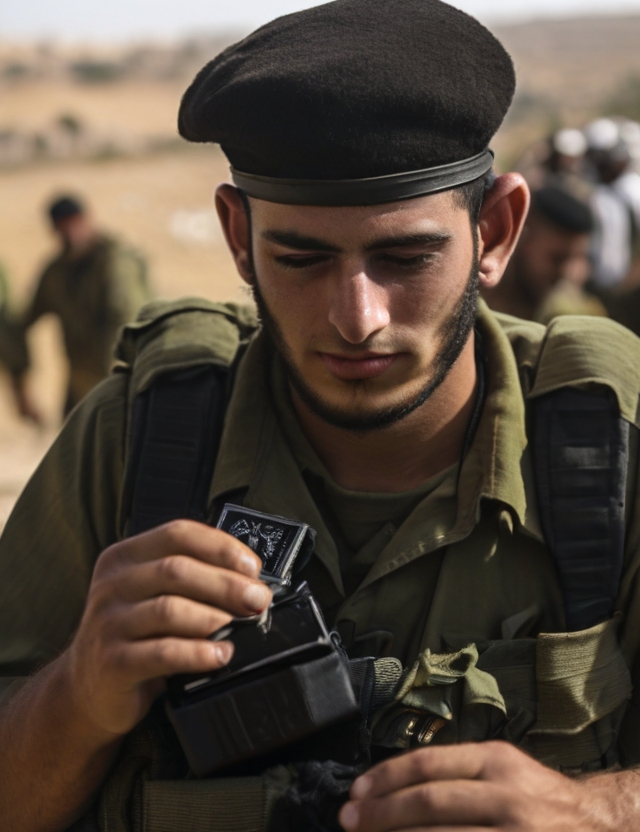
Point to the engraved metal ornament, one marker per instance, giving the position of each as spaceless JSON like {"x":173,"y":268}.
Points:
{"x":276,"y":540}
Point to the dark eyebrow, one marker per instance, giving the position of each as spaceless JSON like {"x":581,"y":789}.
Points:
{"x":432,"y":238}
{"x":292,"y":240}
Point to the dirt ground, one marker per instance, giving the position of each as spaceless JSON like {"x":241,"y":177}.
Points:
{"x":163,"y":204}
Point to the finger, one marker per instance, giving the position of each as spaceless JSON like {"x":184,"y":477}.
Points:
{"x":167,"y":615}
{"x":456,"y":803}
{"x":469,"y":761}
{"x":182,"y":575}
{"x":186,"y":537}
{"x":140,"y":661}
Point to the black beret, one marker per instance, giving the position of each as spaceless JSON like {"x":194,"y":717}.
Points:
{"x":351,"y":90}
{"x":563,"y":210}
{"x":63,"y":207}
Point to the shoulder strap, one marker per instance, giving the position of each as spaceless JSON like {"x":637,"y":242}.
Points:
{"x":175,"y":435}
{"x":580,"y":454}
{"x":181,"y":358}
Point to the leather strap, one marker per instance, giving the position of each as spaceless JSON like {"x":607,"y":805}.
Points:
{"x":374,"y":190}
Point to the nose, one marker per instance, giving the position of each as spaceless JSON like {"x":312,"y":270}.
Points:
{"x":358,"y":307}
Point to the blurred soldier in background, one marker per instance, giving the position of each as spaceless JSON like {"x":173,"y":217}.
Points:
{"x":94,"y":285}
{"x":616,"y":205}
{"x":546,"y":276}
{"x":558,"y":161}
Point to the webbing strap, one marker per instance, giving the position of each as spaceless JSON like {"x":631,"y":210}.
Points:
{"x":176,"y":429}
{"x":224,"y":805}
{"x":580,"y":452}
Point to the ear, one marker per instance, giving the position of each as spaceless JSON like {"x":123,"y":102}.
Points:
{"x":502,"y":217}
{"x":236,"y":228}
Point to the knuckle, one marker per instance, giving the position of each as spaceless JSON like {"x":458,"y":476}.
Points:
{"x":107,"y":559}
{"x":202,"y":656}
{"x":422,"y":762}
{"x":164,"y":653}
{"x":101,"y":596}
{"x":176,"y":531}
{"x":173,"y":568}
{"x":165,"y":608}
{"x":502,"y":757}
{"x":499,"y":749}
{"x":425,"y":797}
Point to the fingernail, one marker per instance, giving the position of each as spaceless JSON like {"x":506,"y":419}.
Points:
{"x":256,"y":597}
{"x":349,"y":816}
{"x":225,"y":651}
{"x":249,"y":565}
{"x":361,"y":787}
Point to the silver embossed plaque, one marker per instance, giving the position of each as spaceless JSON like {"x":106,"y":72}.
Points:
{"x":276,"y":540}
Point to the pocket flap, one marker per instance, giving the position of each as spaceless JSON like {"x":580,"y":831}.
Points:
{"x":581,"y":677}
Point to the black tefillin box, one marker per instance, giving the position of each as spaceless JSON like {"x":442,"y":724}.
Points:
{"x":286,"y":681}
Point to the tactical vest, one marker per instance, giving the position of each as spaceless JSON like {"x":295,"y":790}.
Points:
{"x":560,"y":696}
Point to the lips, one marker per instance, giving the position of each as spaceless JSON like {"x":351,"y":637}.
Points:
{"x":352,"y":369}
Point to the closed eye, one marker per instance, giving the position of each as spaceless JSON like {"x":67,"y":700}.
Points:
{"x":414,"y":261}
{"x":300,"y":261}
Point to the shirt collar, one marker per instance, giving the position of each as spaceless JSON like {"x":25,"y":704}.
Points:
{"x":497,"y":466}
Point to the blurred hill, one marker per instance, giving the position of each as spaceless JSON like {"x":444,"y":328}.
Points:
{"x":576,"y":64}
{"x":97,"y":102}
{"x":569,"y":71}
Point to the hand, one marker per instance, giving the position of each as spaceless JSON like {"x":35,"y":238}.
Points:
{"x":467,"y":788}
{"x":152,"y":602}
{"x":24,"y":403}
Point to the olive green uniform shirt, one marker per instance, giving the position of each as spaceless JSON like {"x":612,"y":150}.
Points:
{"x":93,"y":296}
{"x":568,"y":299}
{"x":465,"y":564}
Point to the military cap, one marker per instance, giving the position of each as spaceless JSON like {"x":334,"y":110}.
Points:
{"x":354,"y":102}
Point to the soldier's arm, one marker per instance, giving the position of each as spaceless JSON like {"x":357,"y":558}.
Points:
{"x":60,"y":730}
{"x":152,"y":602}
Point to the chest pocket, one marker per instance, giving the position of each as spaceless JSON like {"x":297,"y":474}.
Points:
{"x":560,"y":697}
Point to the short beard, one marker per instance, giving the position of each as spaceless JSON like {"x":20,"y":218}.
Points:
{"x":456,"y":331}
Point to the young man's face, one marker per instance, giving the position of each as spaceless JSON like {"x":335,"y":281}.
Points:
{"x":370,"y":306}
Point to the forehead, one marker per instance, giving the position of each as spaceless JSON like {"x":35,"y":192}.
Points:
{"x":428,"y":213}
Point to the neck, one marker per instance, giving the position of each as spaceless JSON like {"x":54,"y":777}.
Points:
{"x":408,"y":453}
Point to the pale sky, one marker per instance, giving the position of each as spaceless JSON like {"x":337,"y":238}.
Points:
{"x":104,"y":20}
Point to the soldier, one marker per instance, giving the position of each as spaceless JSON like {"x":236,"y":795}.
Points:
{"x":384,"y":406}
{"x":548,"y":270}
{"x":94,"y":285}
{"x":616,"y":205}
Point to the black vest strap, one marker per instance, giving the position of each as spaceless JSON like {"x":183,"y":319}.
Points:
{"x":580,"y":453}
{"x":176,"y":430}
